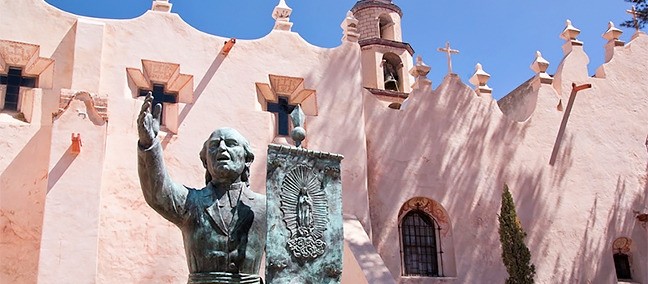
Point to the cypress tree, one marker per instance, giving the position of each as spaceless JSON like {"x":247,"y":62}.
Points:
{"x":515,"y":254}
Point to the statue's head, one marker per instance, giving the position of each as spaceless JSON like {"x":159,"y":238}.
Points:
{"x":226,"y":155}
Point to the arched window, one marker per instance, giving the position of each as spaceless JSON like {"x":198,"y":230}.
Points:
{"x":421,"y":252}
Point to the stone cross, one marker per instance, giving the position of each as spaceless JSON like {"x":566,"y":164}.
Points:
{"x":448,"y":51}
{"x":634,"y":14}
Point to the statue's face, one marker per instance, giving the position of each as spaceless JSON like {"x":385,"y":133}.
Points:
{"x":226,"y":155}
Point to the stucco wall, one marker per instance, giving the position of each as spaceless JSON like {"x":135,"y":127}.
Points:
{"x":448,"y":145}
{"x":135,"y":245}
{"x":459,"y":149}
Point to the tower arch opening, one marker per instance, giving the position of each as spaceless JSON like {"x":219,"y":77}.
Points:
{"x":386,"y":27}
{"x":392,"y":66}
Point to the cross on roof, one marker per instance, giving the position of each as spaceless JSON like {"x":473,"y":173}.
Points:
{"x":282,"y":108}
{"x":14,"y":80}
{"x":634,"y":14}
{"x":448,"y":51}
{"x":160,"y":97}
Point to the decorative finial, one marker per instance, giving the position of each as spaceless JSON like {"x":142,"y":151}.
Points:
{"x":612,"y":36}
{"x":479,"y":80}
{"x":612,"y":33}
{"x":420,"y":71}
{"x":350,"y":28}
{"x":281,"y":14}
{"x":570,"y":32}
{"x":161,"y":5}
{"x":540,"y":66}
{"x":298,"y":134}
{"x":448,"y":51}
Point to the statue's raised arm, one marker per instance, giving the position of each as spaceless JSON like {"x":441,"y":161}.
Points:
{"x":160,"y":192}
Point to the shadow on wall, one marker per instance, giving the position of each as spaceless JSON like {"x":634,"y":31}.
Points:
{"x":22,"y":201}
{"x":59,"y":169}
{"x":447,"y":154}
{"x":597,"y":251}
{"x":200,"y":88}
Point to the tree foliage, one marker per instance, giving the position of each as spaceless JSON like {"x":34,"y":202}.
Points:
{"x":515,"y":254}
{"x":642,"y":14}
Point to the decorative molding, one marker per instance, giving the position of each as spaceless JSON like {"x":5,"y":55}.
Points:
{"x":168,"y":74}
{"x":364,"y":4}
{"x":291,"y":88}
{"x":431,"y":208}
{"x":386,"y":42}
{"x":388,"y":95}
{"x":27,"y":57}
{"x":622,"y":245}
{"x":96,"y":107}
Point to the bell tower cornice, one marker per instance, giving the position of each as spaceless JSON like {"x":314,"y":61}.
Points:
{"x":364,"y":4}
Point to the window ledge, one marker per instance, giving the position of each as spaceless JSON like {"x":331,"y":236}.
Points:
{"x":12,"y":117}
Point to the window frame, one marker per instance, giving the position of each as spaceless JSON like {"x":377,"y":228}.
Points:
{"x":436,"y":258}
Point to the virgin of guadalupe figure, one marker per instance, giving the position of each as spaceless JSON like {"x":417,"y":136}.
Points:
{"x":304,"y":209}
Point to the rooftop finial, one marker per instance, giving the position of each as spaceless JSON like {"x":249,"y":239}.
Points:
{"x":612,"y":36}
{"x":569,"y":34}
{"x":350,"y":28}
{"x":612,"y":33}
{"x":420,"y":71}
{"x":540,"y":66}
{"x":281,"y":14}
{"x":479,"y":79}
{"x":161,"y":5}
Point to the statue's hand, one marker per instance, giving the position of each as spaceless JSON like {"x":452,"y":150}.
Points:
{"x":148,"y":124}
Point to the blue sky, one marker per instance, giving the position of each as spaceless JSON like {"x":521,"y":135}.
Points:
{"x":502,"y":35}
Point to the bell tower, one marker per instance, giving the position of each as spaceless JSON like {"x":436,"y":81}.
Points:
{"x":386,"y":59}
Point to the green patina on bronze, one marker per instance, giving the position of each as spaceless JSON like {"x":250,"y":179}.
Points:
{"x":304,"y":237}
{"x":223,"y":224}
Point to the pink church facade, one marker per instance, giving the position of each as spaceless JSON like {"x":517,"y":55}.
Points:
{"x":72,"y":211}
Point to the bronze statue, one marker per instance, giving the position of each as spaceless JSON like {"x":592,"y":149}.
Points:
{"x":223,"y":224}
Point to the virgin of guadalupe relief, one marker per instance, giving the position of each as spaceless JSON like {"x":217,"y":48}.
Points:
{"x":304,"y":237}
{"x":305,"y":211}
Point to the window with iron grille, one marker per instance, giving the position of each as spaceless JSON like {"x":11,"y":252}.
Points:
{"x":622,"y":266}
{"x":421,"y":251}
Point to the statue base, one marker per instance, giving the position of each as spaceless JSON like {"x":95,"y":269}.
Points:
{"x":223,"y":278}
